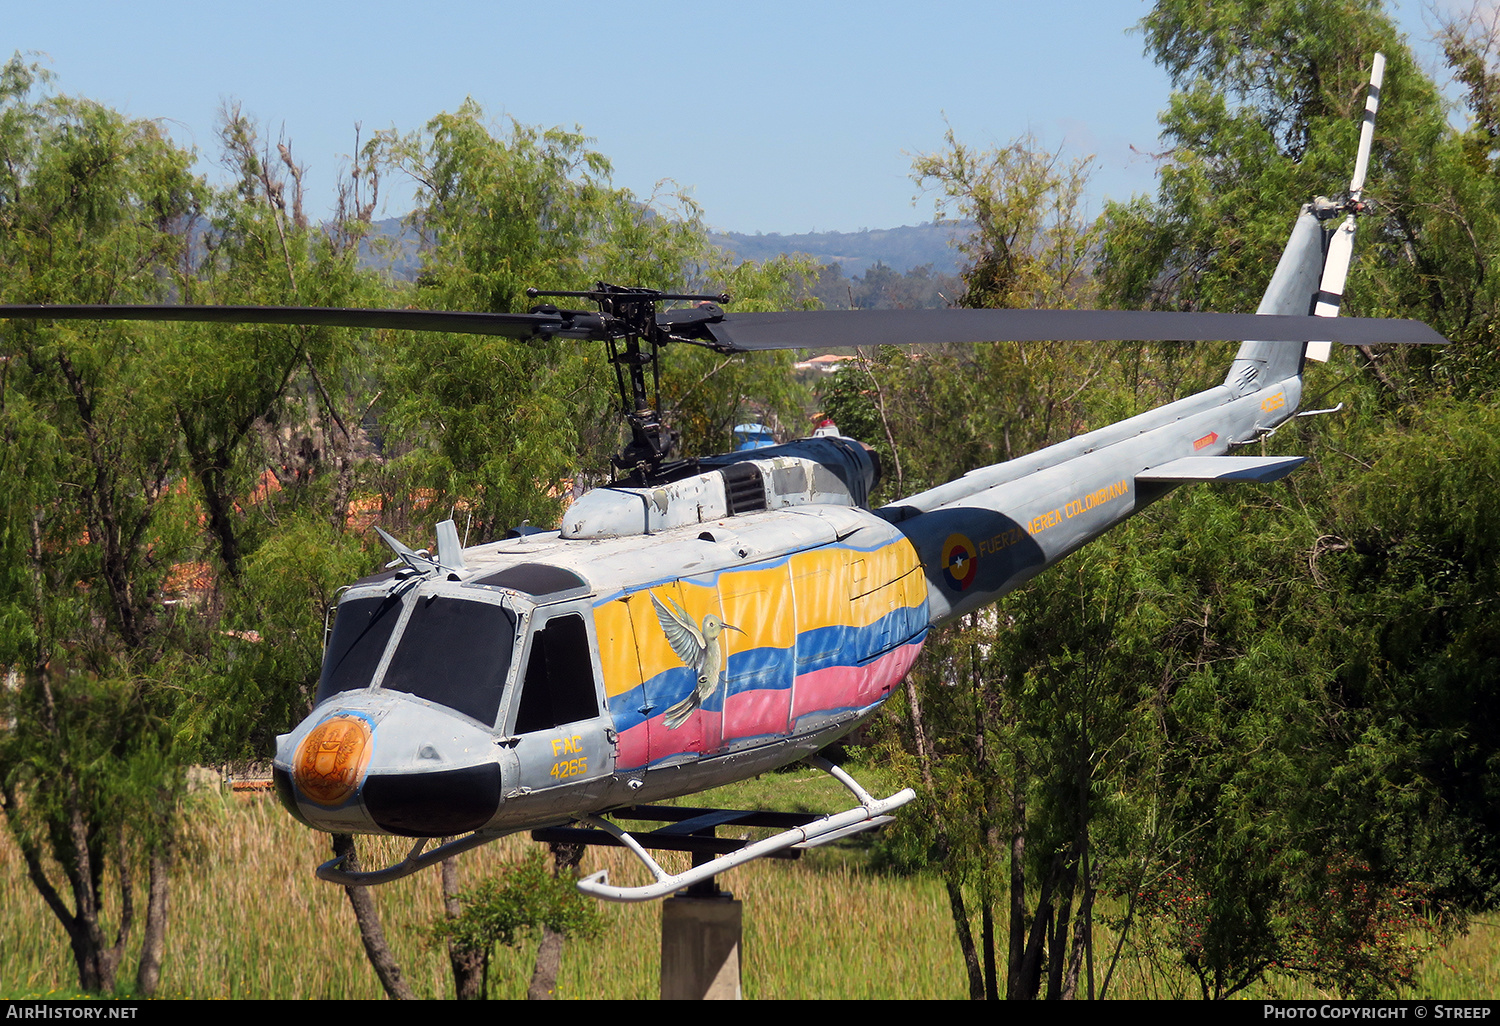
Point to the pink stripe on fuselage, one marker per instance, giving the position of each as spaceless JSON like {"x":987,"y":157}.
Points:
{"x":754,"y":713}
{"x":852,"y":687}
{"x":763,"y":713}
{"x":692,"y":736}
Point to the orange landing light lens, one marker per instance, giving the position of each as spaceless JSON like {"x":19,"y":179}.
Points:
{"x":331,"y":760}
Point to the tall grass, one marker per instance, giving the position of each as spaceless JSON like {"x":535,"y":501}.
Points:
{"x":249,"y":920}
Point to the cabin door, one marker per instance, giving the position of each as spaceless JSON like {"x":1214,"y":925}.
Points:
{"x":563,"y":741}
{"x":669,"y":622}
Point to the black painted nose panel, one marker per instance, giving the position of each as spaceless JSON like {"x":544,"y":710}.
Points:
{"x":433,"y":804}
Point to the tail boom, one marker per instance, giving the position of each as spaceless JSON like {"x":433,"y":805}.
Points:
{"x":994,"y":529}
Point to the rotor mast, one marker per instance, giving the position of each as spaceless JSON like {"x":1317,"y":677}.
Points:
{"x":635,"y":340}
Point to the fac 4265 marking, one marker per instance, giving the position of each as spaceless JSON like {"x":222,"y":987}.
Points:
{"x":568,"y":767}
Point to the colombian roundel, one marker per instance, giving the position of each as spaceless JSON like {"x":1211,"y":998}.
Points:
{"x":960,"y":562}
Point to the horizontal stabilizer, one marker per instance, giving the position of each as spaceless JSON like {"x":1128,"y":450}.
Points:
{"x":1224,"y":468}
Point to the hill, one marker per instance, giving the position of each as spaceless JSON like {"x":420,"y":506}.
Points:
{"x":900,"y":249}
{"x":393,"y":247}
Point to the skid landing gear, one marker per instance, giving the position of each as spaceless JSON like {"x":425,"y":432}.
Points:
{"x":701,"y":926}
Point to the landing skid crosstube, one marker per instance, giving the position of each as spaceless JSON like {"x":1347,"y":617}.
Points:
{"x":693,"y":830}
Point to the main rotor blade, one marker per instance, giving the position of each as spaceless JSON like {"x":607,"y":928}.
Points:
{"x":566,"y":324}
{"x":750,"y":332}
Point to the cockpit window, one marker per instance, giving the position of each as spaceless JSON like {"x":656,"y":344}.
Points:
{"x":360,"y":632}
{"x":455,"y":653}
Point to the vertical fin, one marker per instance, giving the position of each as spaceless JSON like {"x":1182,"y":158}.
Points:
{"x":1291,"y":292}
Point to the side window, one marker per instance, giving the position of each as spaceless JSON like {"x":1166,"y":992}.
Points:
{"x":559,"y":684}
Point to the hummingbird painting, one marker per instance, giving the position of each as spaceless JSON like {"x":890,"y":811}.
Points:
{"x":699,"y":649}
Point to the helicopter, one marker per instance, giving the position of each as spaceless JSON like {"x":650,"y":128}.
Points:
{"x":700,"y":621}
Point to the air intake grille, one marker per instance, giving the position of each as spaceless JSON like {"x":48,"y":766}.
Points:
{"x":744,"y":488}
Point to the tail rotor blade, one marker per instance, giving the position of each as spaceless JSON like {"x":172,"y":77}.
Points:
{"x":1341,"y":246}
{"x":1331,"y":289}
{"x":1367,"y":128}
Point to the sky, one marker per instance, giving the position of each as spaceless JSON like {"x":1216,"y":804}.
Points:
{"x":773,"y":116}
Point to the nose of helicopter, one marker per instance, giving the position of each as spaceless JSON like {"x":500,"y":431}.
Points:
{"x":383,"y":763}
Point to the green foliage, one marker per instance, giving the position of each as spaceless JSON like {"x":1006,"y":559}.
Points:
{"x":936,"y":413}
{"x":704,"y":394}
{"x":1470,"y":48}
{"x":1287,"y":59}
{"x":1323,"y":779}
{"x":1024,"y":718}
{"x":1031,"y":245}
{"x":534,"y":208}
{"x":95,"y":209}
{"x":1267,"y":114}
{"x":141,"y":476}
{"x":1282,"y":804}
{"x":500,"y":214}
{"x":264,"y":662}
{"x":1419,"y":568}
{"x":1346,"y":933}
{"x":504,"y":910}
{"x":1237,"y":712}
{"x":1324,"y":811}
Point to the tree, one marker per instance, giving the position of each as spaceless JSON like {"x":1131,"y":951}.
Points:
{"x":155,"y":529}
{"x":1191,"y":714}
{"x":1031,"y":245}
{"x":1266,"y":114}
{"x":271,"y":423}
{"x":1466,"y":209}
{"x":1011,"y":724}
{"x":532,"y":208}
{"x":502,"y":425}
{"x":1306,"y":808}
{"x":1412,"y":555}
{"x":524,"y":901}
{"x":1277,"y":801}
{"x":704,"y":394}
{"x":95,"y":208}
{"x":278,"y":414}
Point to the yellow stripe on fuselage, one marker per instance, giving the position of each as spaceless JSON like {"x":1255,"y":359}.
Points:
{"x":826,"y":587}
{"x":617,"y":658}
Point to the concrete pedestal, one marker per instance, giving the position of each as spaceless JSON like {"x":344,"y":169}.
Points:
{"x":700,"y":949}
